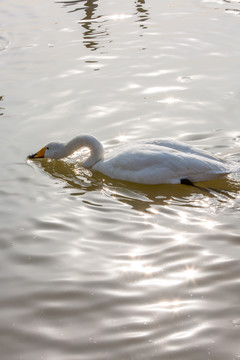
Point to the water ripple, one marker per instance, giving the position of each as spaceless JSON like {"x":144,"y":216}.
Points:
{"x":94,"y":268}
{"x":4,"y":41}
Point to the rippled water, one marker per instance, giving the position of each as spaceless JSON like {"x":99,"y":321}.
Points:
{"x":93,"y":268}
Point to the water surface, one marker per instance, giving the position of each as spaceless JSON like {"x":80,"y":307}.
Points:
{"x":94,"y":268}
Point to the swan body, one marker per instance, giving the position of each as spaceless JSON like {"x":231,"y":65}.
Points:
{"x":150,"y":161}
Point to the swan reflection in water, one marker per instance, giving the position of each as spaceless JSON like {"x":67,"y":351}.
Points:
{"x":78,"y":181}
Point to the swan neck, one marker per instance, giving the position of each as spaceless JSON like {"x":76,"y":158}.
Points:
{"x":90,"y":142}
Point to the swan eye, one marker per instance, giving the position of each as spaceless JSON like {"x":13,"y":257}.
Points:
{"x":47,"y":148}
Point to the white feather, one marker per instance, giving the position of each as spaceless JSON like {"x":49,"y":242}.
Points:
{"x":151,"y":161}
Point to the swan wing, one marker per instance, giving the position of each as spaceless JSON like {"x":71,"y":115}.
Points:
{"x":155,"y":163}
{"x":182,"y":147}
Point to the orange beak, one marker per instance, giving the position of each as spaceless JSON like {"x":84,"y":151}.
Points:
{"x":39,"y":154}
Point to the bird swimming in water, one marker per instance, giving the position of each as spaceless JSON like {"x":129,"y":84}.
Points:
{"x":151,"y":161}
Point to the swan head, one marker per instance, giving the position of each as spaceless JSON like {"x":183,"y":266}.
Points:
{"x":59,"y":150}
{"x":53,"y":150}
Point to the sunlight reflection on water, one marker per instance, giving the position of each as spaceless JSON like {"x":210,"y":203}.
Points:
{"x":94,"y":268}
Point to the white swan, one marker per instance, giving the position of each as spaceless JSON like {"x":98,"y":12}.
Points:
{"x":150,"y":162}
